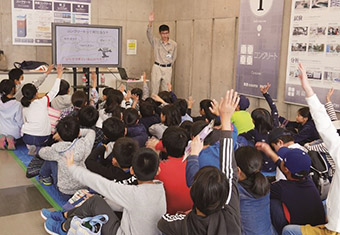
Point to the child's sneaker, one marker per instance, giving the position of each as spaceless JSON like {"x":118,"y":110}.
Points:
{"x":54,"y":227}
{"x":32,"y":150}
{"x":10,"y":143}
{"x":2,"y":142}
{"x":55,"y":215}
{"x":46,"y":180}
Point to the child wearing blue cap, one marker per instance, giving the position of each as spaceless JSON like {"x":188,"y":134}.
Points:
{"x":295,"y":200}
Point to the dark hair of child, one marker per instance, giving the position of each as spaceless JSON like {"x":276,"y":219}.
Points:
{"x":29,"y":91}
{"x":7,"y":87}
{"x":263,"y":121}
{"x":113,"y":128}
{"x":107,"y":91}
{"x":130,"y":116}
{"x":111,"y":106}
{"x":145,"y":164}
{"x":137,"y":91}
{"x":304,"y":112}
{"x":63,"y":88}
{"x":146,"y":109}
{"x":175,"y":140}
{"x":123,"y":151}
{"x":172,"y":115}
{"x":15,"y":74}
{"x":88,"y":116}
{"x":79,"y":99}
{"x":166,"y":96}
{"x":182,"y":105}
{"x":187,"y":125}
{"x":154,"y":103}
{"x":210,"y":189}
{"x":285,"y":138}
{"x":197,"y":127}
{"x":164,"y":27}
{"x":68,"y":128}
{"x":119,"y":95}
{"x":205,"y":105}
{"x":249,"y":160}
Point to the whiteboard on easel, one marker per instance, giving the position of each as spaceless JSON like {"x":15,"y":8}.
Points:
{"x":86,"y":45}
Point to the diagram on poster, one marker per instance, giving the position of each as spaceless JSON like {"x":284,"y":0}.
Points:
{"x":86,"y":45}
{"x":314,"y":40}
{"x":31,"y":19}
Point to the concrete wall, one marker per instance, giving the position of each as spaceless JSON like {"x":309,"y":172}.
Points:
{"x":132,"y":15}
{"x":206,"y":33}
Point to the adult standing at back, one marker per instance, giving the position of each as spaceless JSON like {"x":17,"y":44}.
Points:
{"x":165,"y":53}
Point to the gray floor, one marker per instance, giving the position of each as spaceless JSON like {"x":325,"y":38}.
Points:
{"x":20,"y":201}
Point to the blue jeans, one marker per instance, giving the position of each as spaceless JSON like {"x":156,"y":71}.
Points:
{"x":50,"y":168}
{"x":292,"y":230}
{"x":36,"y":140}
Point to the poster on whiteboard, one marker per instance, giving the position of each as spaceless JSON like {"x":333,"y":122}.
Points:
{"x":314,"y":40}
{"x":31,"y":19}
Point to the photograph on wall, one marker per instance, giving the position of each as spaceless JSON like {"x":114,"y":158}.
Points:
{"x":259,"y":43}
{"x":31,"y":19}
{"x":318,"y":49}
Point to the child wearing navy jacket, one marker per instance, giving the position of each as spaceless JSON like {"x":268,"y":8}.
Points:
{"x":135,"y":130}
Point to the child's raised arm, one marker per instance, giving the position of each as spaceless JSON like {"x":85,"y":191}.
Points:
{"x":55,"y":89}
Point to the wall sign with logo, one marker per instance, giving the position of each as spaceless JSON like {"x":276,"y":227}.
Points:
{"x":259,"y":43}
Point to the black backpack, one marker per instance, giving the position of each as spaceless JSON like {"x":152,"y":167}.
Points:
{"x":319,"y":173}
{"x":28,"y":64}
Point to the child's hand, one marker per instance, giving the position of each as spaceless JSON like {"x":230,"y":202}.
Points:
{"x":264,"y":89}
{"x":122,"y":88}
{"x":151,"y":17}
{"x":56,"y":137}
{"x":128,"y":95}
{"x":304,"y":81}
{"x":214,"y":108}
{"x":59,"y":71}
{"x":157,"y":98}
{"x":69,"y":158}
{"x":227,"y":107}
{"x":49,"y":69}
{"x":151,"y":143}
{"x":266,"y":149}
{"x":196,"y":146}
{"x":144,"y":77}
{"x":169,"y":87}
{"x":135,"y":98}
{"x":329,"y":95}
{"x":190,"y":102}
{"x":94,"y":79}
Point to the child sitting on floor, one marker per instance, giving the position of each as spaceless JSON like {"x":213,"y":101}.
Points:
{"x":11,"y":119}
{"x":135,"y":130}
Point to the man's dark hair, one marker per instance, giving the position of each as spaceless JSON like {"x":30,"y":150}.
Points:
{"x":113,"y":128}
{"x":68,"y":128}
{"x":172,"y":115}
{"x":15,"y":74}
{"x":175,"y":140}
{"x":88,"y":116}
{"x":146,"y":109}
{"x":210,"y":190}
{"x":145,"y":164}
{"x":130,"y":116}
{"x":123,"y":151}
{"x":79,"y":99}
{"x":164,"y":27}
{"x":137,"y":91}
{"x":182,"y":105}
{"x":63,"y":88}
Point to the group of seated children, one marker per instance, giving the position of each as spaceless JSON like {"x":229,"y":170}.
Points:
{"x":148,"y":168}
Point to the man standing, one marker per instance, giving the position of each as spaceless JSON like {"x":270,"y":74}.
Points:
{"x":165,"y":52}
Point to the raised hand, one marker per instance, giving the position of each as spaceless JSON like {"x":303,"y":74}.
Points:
{"x":94,"y":79}
{"x":196,"y":146}
{"x":169,"y":87}
{"x":59,"y":71}
{"x":304,"y":81}
{"x":151,"y":17}
{"x":329,"y":95}
{"x":227,"y":107}
{"x":190,"y":102}
{"x":144,"y":77}
{"x":49,"y":69}
{"x":214,"y":107}
{"x":264,"y":89}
